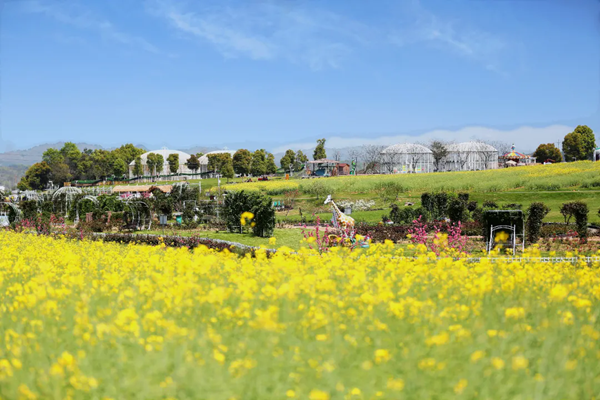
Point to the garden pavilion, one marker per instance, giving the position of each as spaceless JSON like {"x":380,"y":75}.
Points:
{"x":406,"y":158}
{"x":470,"y":156}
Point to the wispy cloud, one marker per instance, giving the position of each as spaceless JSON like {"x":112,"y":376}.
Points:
{"x":73,"y":14}
{"x":265,"y":31}
{"x":455,"y":36}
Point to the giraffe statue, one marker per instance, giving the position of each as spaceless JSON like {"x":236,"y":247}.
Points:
{"x":340,"y":220}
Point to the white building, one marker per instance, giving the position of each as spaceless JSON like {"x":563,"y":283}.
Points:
{"x":164,"y":152}
{"x":470,"y":156}
{"x":406,"y":158}
{"x":204,"y":159}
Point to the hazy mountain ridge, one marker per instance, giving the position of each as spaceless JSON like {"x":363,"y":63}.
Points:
{"x":33,"y":155}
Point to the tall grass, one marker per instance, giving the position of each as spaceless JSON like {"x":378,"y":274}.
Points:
{"x":583,"y":174}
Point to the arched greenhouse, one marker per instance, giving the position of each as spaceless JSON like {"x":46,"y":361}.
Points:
{"x":406,"y":158}
{"x":470,"y":156}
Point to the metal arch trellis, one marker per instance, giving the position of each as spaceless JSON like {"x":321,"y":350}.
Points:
{"x":15,"y":208}
{"x":136,"y":206}
{"x":93,"y":199}
{"x":510,"y":228}
{"x":70,"y":193}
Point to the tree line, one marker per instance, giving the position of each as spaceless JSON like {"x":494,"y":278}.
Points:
{"x":69,"y":163}
{"x":578,"y":145}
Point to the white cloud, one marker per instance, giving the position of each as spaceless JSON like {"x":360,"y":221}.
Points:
{"x":456,"y":36}
{"x":525,"y":138}
{"x":262,"y":31}
{"x":72,"y":14}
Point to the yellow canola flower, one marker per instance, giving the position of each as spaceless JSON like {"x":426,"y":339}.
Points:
{"x":142,"y":319}
{"x":461,"y":386}
{"x":318,"y":395}
{"x":559,"y":292}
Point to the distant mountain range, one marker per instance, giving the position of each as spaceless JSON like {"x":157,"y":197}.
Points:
{"x":31,"y":156}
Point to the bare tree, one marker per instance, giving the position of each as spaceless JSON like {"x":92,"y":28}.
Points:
{"x":502,"y":147}
{"x":414,"y":155}
{"x":355,"y":155}
{"x":439,"y":152}
{"x":486,"y":155}
{"x":389,"y":161}
{"x":337,"y":155}
{"x":371,"y":155}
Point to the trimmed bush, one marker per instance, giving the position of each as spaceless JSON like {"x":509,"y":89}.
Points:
{"x":471,"y":206}
{"x":463,"y":197}
{"x":535,"y":215}
{"x":441,"y":205}
{"x":578,"y":210}
{"x":404,"y":215}
{"x":237,"y":203}
{"x":435,"y":205}
{"x":489,"y":204}
{"x":457,"y":210}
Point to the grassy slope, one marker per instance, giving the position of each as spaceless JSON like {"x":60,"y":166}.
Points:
{"x":524,"y":185}
{"x":552,"y":184}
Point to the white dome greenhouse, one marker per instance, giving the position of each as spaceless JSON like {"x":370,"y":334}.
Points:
{"x":165,"y":153}
{"x":471,"y":156}
{"x":407,"y":158}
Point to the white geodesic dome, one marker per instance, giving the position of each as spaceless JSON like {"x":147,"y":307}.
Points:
{"x":471,"y":156}
{"x":407,"y":157}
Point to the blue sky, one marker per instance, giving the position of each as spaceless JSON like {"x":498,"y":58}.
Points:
{"x":259,"y":73}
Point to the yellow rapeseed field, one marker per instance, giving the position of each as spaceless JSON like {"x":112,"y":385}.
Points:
{"x":88,"y":320}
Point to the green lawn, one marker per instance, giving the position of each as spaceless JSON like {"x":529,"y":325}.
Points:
{"x":284,"y":237}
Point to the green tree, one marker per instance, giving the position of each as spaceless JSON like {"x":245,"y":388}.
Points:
{"x":192,"y":163}
{"x":301,"y":159}
{"x":242,"y":161}
{"x":36,"y":177}
{"x":546,"y":152}
{"x":173,"y":161}
{"x":128,"y":152}
{"x":288,"y":160}
{"x":227,"y":170}
{"x":218,"y":161}
{"x":119,"y":167}
{"x":259,"y":162}
{"x":439,"y":151}
{"x":52,"y":156}
{"x":71,"y":155}
{"x":85,"y":166}
{"x":155,"y":163}
{"x":102,"y":163}
{"x":60,"y":173}
{"x":573,"y":147}
{"x":588,"y":141}
{"x":199,"y":154}
{"x":160,"y":163}
{"x":138,"y":167}
{"x":319,"y":152}
{"x":271,"y":167}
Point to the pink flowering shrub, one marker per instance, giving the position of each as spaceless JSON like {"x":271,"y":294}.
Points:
{"x":453,"y":241}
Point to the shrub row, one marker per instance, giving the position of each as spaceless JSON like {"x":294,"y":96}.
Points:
{"x":177,"y":241}
{"x":395,"y":233}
